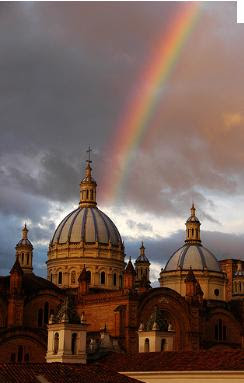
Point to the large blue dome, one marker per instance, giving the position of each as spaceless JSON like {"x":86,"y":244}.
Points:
{"x":89,"y":225}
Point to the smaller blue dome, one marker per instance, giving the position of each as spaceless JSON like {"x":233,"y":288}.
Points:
{"x":195,"y":256}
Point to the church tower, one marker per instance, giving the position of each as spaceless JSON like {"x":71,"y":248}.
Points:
{"x":142,"y":265}
{"x":193,"y":228}
{"x":24,"y":252}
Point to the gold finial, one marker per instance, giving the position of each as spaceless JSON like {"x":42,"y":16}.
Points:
{"x":88,"y":166}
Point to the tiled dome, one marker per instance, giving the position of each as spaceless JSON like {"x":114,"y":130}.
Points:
{"x":89,"y":225}
{"x":195,"y":256}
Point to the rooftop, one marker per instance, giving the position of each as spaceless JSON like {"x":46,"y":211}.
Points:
{"x":59,"y":373}
{"x":227,"y":360}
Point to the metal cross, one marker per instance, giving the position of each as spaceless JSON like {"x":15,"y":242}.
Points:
{"x":89,"y":155}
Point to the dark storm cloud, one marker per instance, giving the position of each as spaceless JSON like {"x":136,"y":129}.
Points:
{"x":67,"y":71}
{"x":159,"y":250}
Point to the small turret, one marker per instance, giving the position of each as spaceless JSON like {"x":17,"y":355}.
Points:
{"x":16,"y":278}
{"x":16,"y":297}
{"x":24,"y":252}
{"x":142,"y":268}
{"x":129,"y":276}
{"x":193,"y":289}
{"x":83,"y":282}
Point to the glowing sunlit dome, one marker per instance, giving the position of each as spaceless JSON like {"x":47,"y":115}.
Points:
{"x":87,"y":224}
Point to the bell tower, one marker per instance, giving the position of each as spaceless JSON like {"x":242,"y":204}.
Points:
{"x":24,"y":252}
{"x":142,"y":268}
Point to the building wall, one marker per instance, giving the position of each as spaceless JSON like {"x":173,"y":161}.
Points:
{"x":213,"y":284}
{"x":33,"y":346}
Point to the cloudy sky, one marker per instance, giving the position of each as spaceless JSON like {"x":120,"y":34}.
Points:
{"x":67,"y":71}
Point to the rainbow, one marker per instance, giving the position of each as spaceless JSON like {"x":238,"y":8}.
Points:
{"x":135,"y":122}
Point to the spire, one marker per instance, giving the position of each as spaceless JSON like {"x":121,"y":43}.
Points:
{"x":142,"y":249}
{"x":193,"y":210}
{"x":83,"y":282}
{"x":83,"y":275}
{"x":130,"y":268}
{"x":190,"y":277}
{"x":25,"y":232}
{"x":88,"y":185}
{"x":24,"y":251}
{"x":193,"y":228}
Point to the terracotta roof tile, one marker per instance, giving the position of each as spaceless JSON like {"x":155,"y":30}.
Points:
{"x":60,"y":373}
{"x":177,"y":361}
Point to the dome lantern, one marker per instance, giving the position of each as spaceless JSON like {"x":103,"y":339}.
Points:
{"x":88,"y":186}
{"x":193,"y":228}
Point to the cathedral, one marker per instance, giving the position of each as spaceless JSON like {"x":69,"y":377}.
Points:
{"x":93,"y":301}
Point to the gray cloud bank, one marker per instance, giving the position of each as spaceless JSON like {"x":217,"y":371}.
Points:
{"x":67,"y":71}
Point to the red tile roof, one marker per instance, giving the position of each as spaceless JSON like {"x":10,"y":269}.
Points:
{"x":232,"y":360}
{"x":59,"y":373}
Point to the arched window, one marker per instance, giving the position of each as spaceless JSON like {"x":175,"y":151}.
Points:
{"x":51,"y":277}
{"x":87,"y":194}
{"x":240,"y":286}
{"x":102,"y":278}
{"x":220,"y":331}
{"x":120,"y":281}
{"x":60,"y":277}
{"x":146,"y":345}
{"x":56,"y":343}
{"x":73,"y":277}
{"x":28,"y":258}
{"x":74,"y":344}
{"x":46,"y":312}
{"x":188,"y":232}
{"x":192,"y":231}
{"x":115,"y":279}
{"x":22,"y":255}
{"x":40,"y":316}
{"x":20,"y":354}
{"x":88,"y":275}
{"x":162,"y":345}
{"x":91,"y":192}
